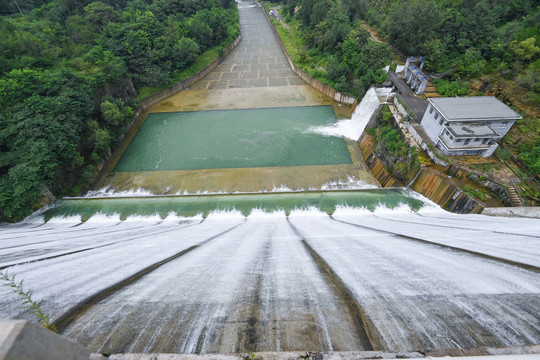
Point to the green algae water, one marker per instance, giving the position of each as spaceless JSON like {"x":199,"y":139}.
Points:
{"x":245,"y":203}
{"x":220,"y":139}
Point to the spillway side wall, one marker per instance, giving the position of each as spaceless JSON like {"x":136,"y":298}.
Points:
{"x":325,"y":89}
{"x":436,"y":188}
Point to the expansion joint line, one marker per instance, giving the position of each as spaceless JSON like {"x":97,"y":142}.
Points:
{"x":92,"y":248}
{"x":64,"y":320}
{"x":365,"y":328}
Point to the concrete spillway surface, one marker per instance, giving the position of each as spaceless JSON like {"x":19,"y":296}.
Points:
{"x":386,"y":278}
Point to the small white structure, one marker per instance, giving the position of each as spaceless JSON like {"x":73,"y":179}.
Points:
{"x":467,"y":125}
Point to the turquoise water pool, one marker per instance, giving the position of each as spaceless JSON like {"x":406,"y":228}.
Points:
{"x":233,"y":139}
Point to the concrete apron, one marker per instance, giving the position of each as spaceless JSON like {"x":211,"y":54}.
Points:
{"x":22,"y":340}
{"x":352,"y":355}
{"x":256,"y":74}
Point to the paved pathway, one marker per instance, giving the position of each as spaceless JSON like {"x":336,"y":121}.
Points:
{"x":257,"y":61}
{"x":416,"y":104}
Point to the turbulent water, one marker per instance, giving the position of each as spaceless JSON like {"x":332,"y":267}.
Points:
{"x":381,"y":277}
{"x":354,"y":127}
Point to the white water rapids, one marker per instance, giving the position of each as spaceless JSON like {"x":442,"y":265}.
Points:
{"x":354,"y":127}
{"x":228,"y":283}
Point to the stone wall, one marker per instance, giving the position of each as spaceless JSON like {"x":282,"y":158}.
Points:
{"x":435,"y":187}
{"x":438,"y":189}
{"x":325,"y":89}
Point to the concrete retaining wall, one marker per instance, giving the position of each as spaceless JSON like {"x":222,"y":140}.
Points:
{"x":325,"y":89}
{"x":437,"y":188}
{"x":376,"y":166}
{"x":22,"y":340}
{"x":440,"y":190}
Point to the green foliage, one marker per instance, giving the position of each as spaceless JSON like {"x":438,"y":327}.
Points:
{"x":525,"y":50}
{"x":474,"y":192}
{"x":451,"y":88}
{"x":466,"y":39}
{"x":328,"y":39}
{"x":25,"y":297}
{"x":185,"y":52}
{"x":401,"y":160}
{"x":68,"y":72}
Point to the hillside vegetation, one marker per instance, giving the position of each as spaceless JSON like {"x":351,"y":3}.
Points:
{"x":331,"y":47}
{"x":481,"y":47}
{"x":70,"y":71}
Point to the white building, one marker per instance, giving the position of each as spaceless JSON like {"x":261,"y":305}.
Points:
{"x":467,"y":125}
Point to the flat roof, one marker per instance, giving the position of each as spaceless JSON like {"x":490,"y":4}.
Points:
{"x":461,"y":130}
{"x":473,"y":108}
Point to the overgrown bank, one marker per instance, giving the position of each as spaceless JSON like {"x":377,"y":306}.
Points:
{"x":325,"y":43}
{"x":71,"y":72}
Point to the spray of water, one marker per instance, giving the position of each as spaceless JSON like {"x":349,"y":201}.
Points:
{"x":354,"y":127}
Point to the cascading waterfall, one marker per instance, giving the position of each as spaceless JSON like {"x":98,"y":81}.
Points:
{"x":354,"y":127}
{"x":186,"y":275}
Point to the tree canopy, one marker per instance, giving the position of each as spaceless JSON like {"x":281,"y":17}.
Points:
{"x":69,"y":75}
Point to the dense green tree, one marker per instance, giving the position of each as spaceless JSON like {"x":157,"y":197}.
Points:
{"x":185,"y":52}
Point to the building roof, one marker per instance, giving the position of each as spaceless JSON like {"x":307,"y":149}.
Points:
{"x":465,"y":131}
{"x":473,"y":108}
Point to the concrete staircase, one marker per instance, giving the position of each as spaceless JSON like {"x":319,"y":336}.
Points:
{"x":514,"y":196}
{"x":431,"y":91}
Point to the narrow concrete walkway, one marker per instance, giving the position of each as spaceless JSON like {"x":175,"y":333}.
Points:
{"x":255,"y":74}
{"x":417,"y":105}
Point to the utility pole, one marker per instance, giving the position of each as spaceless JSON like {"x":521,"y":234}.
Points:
{"x":15,"y":1}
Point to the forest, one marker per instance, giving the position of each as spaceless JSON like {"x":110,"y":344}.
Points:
{"x":71,"y":72}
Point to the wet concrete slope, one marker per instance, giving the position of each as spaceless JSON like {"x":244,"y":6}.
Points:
{"x":306,"y":282}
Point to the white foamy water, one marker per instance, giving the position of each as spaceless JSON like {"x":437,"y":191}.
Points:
{"x":108,"y":192}
{"x":352,"y":183}
{"x":354,"y":127}
{"x":228,"y":274}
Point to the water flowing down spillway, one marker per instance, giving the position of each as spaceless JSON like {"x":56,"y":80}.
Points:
{"x":374,"y":269}
{"x":354,"y":127}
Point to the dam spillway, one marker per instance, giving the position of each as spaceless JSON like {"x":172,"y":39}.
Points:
{"x":233,"y":264}
{"x":245,"y":127}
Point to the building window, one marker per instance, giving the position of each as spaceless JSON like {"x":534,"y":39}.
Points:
{"x":467,"y":142}
{"x":484,"y":141}
{"x":431,"y":109}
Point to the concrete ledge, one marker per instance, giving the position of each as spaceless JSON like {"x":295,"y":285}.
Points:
{"x":528,"y":352}
{"x":528,"y":212}
{"x":21,"y":340}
